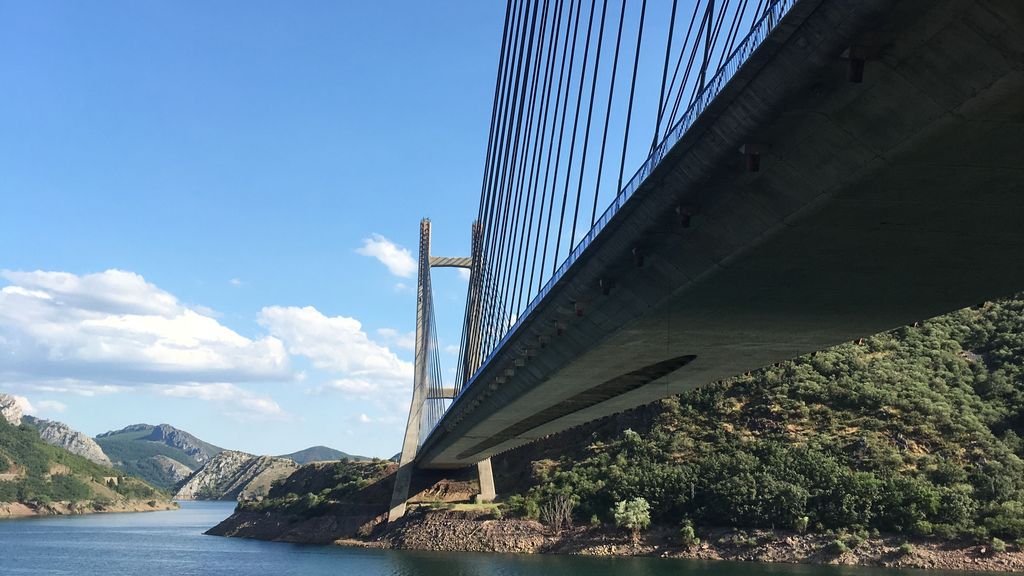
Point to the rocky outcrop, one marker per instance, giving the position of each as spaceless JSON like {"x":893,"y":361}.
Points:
{"x":234,"y":475}
{"x":10,"y":409}
{"x":63,"y":436}
{"x":183,"y":441}
{"x":170,"y":467}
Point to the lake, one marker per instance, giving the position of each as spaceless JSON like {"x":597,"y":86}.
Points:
{"x":172,"y":544}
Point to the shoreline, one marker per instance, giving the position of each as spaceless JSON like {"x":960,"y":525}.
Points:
{"x":465,"y":531}
{"x":20,"y":510}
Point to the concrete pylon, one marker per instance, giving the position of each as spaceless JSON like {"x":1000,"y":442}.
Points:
{"x":411,"y":442}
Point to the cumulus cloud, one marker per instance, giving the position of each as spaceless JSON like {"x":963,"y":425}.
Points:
{"x":463,"y":274}
{"x":398,"y":260}
{"x":114,"y":328}
{"x":339,"y":345}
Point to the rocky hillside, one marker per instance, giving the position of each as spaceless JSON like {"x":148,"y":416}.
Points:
{"x":320,"y":454}
{"x":319,"y":503}
{"x":234,"y":475}
{"x":912,"y":436}
{"x":37,"y":478}
{"x":63,"y":436}
{"x":916,"y":432}
{"x":144,"y":450}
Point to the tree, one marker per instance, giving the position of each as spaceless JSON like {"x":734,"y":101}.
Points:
{"x":634,"y":515}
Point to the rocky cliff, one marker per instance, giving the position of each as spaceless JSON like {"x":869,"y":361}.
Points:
{"x":171,"y":468}
{"x":63,"y":436}
{"x":10,"y":409}
{"x":234,"y":475}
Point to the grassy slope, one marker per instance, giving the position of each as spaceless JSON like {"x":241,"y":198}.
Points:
{"x":913,"y":431}
{"x":30,"y":460}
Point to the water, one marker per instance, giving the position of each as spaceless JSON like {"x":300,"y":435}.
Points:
{"x":172,"y":544}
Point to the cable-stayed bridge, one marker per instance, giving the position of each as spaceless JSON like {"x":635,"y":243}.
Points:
{"x":810,"y":172}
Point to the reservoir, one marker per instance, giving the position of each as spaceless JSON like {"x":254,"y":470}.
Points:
{"x":172,"y":544}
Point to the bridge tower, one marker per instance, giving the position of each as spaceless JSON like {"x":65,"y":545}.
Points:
{"x":424,"y":388}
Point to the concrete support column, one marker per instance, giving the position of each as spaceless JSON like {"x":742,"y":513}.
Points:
{"x":483,"y":470}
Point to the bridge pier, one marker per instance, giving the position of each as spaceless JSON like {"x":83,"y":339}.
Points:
{"x":486,"y":477}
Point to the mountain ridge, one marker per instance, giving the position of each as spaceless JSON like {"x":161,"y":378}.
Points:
{"x":320,"y":453}
{"x":144,"y":450}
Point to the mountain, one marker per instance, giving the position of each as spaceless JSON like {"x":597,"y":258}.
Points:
{"x":144,"y":450}
{"x":63,"y":436}
{"x":37,"y":478}
{"x":234,"y":475}
{"x":320,"y":454}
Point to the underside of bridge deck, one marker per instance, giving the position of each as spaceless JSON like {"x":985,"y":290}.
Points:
{"x":876,"y":204}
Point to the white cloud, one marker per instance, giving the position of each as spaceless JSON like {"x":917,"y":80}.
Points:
{"x":237,"y":402}
{"x":115,"y":329}
{"x":52,"y":407}
{"x":463,"y":274}
{"x":392,"y":337}
{"x":235,"y":282}
{"x":338,"y":344}
{"x":399,"y":261}
{"x":451,"y":349}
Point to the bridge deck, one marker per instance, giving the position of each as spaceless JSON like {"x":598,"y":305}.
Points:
{"x":877,"y":204}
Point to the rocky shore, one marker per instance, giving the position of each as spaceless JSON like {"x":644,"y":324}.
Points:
{"x":480,"y":531}
{"x":28,"y":509}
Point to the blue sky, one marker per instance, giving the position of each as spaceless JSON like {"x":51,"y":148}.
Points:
{"x":204,"y":206}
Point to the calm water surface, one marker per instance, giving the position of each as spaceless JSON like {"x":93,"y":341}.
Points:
{"x":172,"y":544}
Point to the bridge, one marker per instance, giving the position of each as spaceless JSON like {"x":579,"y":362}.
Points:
{"x":817,"y":171}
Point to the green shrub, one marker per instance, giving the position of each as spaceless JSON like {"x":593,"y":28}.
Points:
{"x":836,"y":548}
{"x":906,"y":549}
{"x":998,"y":545}
{"x":634,"y":515}
{"x":800,"y":526}
{"x":688,"y":536}
{"x":523,"y":507}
